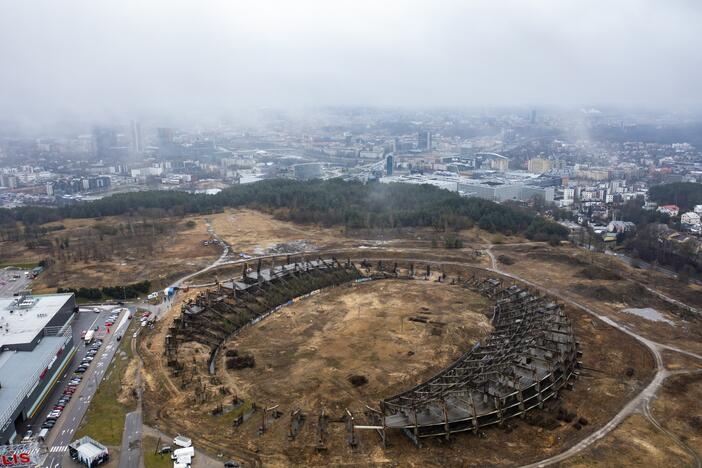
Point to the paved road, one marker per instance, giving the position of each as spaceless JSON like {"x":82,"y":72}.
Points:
{"x":82,"y":321}
{"x":130,"y":455}
{"x":62,"y":433}
{"x":131,"y":452}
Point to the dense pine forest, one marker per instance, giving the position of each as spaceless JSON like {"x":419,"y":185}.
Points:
{"x":684,"y":194}
{"x":329,"y":202}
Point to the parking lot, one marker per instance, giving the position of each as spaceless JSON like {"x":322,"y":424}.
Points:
{"x":62,"y":410}
{"x":12,"y":281}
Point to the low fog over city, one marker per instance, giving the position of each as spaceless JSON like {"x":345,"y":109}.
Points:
{"x":360,"y":233}
{"x":74,"y":59}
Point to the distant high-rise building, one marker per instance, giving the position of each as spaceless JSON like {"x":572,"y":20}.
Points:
{"x":8,"y":181}
{"x":165,"y":141}
{"x":165,"y":136}
{"x":499,"y":164}
{"x":532,"y":118}
{"x":539,"y":165}
{"x":136,"y":137}
{"x":104,"y":138}
{"x":424,"y":140}
{"x":389,"y":164}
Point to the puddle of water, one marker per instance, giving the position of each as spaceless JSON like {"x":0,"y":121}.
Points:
{"x":649,"y":314}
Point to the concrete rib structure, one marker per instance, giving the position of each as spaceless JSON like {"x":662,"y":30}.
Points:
{"x":215,"y":316}
{"x":530,"y":354}
{"x":528,"y":357}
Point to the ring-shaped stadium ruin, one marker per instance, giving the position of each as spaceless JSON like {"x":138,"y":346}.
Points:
{"x":530,"y":354}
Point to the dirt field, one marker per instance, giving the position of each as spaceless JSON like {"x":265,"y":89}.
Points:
{"x":302,"y":361}
{"x":114,"y":250}
{"x":122,"y":249}
{"x":253,"y":232}
{"x":678,"y":409}
{"x":364,"y":329}
{"x":633,"y":444}
{"x":605,"y":285}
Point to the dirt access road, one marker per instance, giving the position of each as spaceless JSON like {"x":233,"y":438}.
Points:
{"x":640,"y":403}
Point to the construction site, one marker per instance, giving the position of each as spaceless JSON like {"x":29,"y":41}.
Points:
{"x":299,"y":360}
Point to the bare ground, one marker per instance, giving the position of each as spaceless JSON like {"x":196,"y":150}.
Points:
{"x":569,"y":271}
{"x":297,"y":366}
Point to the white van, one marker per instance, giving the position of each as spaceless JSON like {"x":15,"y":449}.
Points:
{"x":183,"y":452}
{"x":182,"y":441}
{"x":43,"y":433}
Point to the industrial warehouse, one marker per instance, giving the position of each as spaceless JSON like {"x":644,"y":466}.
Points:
{"x":35,"y":345}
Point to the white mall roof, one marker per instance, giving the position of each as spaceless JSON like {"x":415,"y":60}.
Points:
{"x":21,"y":324}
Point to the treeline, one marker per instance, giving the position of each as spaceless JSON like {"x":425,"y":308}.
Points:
{"x":650,"y":243}
{"x":650,"y":246}
{"x":684,"y":194}
{"x":128,"y":291}
{"x":330,"y":202}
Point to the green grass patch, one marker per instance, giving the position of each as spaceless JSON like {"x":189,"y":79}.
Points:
{"x":153,"y":459}
{"x":104,"y":420}
{"x":228,"y":418}
{"x":22,"y":266}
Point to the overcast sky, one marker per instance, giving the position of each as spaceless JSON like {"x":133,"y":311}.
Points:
{"x":66,"y":58}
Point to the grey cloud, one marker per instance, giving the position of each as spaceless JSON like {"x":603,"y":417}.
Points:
{"x":70,"y":58}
